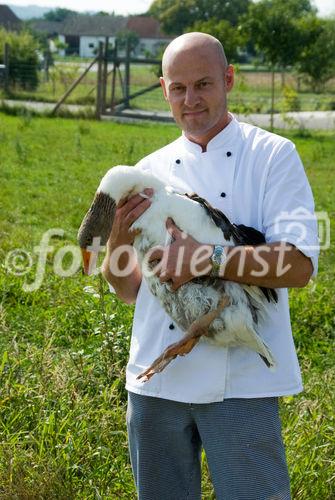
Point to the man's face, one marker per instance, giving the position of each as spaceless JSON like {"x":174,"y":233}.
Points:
{"x":196,"y":85}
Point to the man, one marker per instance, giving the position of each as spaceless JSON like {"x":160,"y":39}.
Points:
{"x":225,"y":400}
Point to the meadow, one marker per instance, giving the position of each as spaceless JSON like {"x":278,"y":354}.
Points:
{"x":64,"y":346}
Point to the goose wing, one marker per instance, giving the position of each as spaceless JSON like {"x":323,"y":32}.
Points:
{"x":239,"y":233}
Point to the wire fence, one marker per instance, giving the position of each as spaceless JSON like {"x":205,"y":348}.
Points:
{"x":49,"y":84}
{"x":49,"y":81}
{"x":251,"y":93}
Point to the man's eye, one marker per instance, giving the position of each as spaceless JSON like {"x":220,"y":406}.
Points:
{"x":203,"y":84}
{"x":178,"y":88}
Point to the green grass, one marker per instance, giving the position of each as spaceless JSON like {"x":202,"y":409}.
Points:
{"x":63,"y":351}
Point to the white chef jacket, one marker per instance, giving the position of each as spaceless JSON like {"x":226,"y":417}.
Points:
{"x":252,"y":176}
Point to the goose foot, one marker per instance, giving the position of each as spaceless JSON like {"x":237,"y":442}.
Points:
{"x":197,"y":329}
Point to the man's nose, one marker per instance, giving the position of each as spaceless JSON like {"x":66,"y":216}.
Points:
{"x":191,"y":97}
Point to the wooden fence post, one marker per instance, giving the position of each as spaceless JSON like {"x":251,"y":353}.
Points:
{"x":272,"y":98}
{"x":115,"y":66}
{"x":127,"y":76}
{"x":6,"y":63}
{"x":99,"y":99}
{"x":46,"y":63}
{"x":104,"y":76}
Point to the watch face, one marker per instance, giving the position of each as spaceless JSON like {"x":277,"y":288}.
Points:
{"x":218,"y":255}
{"x":217,"y":258}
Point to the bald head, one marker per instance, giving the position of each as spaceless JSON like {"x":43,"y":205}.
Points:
{"x":196,"y":80}
{"x":194,"y":44}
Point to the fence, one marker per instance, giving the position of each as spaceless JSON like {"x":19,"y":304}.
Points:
{"x":111,"y":83}
{"x":4,"y":73}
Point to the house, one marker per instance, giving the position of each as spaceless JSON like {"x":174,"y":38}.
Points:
{"x":151,"y":38}
{"x":8,"y":20}
{"x":82,"y":33}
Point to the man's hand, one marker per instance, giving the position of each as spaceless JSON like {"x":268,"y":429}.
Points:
{"x":127,"y":211}
{"x":182,"y":260}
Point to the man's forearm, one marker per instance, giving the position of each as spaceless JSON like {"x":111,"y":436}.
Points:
{"x":126,"y":286}
{"x":275,"y":265}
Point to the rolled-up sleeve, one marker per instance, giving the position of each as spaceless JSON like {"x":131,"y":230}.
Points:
{"x":288,"y":205}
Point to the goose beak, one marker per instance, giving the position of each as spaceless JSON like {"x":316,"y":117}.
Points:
{"x":87,"y":261}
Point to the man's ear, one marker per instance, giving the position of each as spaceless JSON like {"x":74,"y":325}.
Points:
{"x":163,"y":85}
{"x":229,"y":77}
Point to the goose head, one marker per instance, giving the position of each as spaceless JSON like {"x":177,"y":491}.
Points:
{"x":95,"y":228}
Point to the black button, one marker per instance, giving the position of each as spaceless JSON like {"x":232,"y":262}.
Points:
{"x":229,"y":153}
{"x":171,"y":326}
{"x":223,"y":195}
{"x":178,"y":161}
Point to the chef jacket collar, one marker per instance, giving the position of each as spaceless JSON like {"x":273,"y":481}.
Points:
{"x":222,"y":139}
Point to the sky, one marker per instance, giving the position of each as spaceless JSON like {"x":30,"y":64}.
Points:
{"x":125,"y":7}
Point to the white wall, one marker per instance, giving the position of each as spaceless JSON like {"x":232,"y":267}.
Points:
{"x":89,"y":45}
{"x":61,"y":38}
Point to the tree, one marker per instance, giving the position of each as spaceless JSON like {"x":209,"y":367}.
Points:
{"x":59,"y":14}
{"x":23,"y":58}
{"x":125,"y":36}
{"x":176,"y":16}
{"x":273,"y":27}
{"x":222,"y":30}
{"x":316,"y":60}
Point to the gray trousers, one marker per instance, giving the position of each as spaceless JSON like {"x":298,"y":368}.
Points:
{"x":241,"y":438}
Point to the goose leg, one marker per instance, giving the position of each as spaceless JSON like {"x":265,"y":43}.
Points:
{"x":198,"y":328}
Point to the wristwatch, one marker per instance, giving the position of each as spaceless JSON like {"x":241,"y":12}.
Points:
{"x":218,"y":258}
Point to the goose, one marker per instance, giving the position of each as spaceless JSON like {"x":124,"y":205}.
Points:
{"x":212,"y":309}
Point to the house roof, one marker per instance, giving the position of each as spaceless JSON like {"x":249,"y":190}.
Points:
{"x":145,"y":27}
{"x":81,"y":25}
{"x":50,"y":27}
{"x":8,"y":19}
{"x":93,"y":25}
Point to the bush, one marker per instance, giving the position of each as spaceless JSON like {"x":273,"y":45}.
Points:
{"x":291,"y":100}
{"x":23,"y":58}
